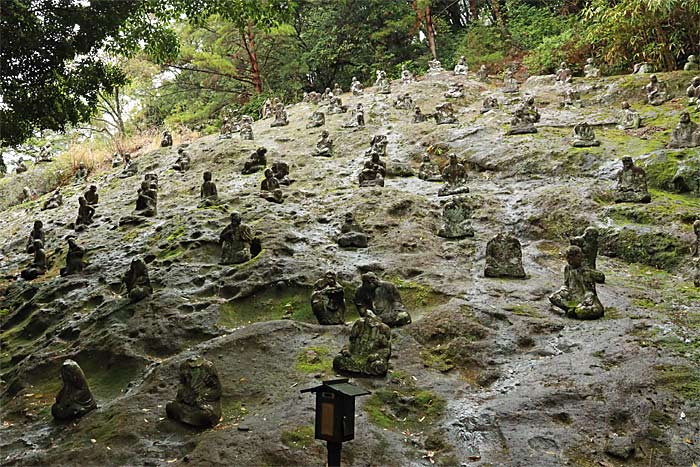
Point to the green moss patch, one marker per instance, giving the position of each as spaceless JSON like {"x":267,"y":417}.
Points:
{"x":298,"y":438}
{"x":314,"y":360}
{"x":653,"y":248}
{"x":271,"y":304}
{"x":683,"y":381}
{"x":416,"y":295}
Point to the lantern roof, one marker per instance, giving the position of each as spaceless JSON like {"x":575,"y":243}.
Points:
{"x":342,"y":386}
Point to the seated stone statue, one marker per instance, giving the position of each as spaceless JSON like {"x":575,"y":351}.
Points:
{"x":38,"y":266}
{"x":236,"y":240}
{"x":434,"y":66}
{"x":692,"y":64}
{"x":268,"y":109}
{"x":74,"y":399}
{"x":504,"y":257}
{"x":117,"y":160}
{"x":37,"y":233}
{"x":455,"y":91}
{"x":383,"y":299}
{"x":406,"y":75}
{"x":54,"y":201}
{"x":335,"y":106}
{"x":524,"y":118}
{"x":371,"y":175}
{"x":280,"y":116}
{"x":369,"y":349}
{"x":357,"y":117}
{"x":628,"y":118}
{"x":384,"y":86}
{"x":584,"y":136}
{"x":280,"y":170}
{"x":685,"y":134}
{"x":136,"y":281}
{"x":444,"y":114}
{"x":455,"y":176}
{"x":198,"y":399}
{"x":324,"y":146}
{"x":588,"y":242}
{"x":85,"y":213}
{"x":228,"y":128}
{"x":461,"y":67}
{"x":327,"y":94}
{"x":631,"y":183}
{"x":378,"y":145}
{"x":147,"y":200}
{"x":183,"y":161}
{"x":74,"y":258}
{"x":337,"y":90}
{"x":455,"y":219}
{"x":404,"y":102}
{"x":693,"y":91}
{"x":80,"y":175}
{"x":356,"y":87}
{"x":317,"y":119}
{"x":489,"y":103}
{"x":696,"y":230}
{"x":130,"y":167}
{"x":572,"y":98}
{"x":328,"y":300}
{"x":482,"y":74}
{"x":418,"y":116}
{"x":208,"y":194}
{"x":429,"y":171}
{"x":3,"y":166}
{"x":590,"y":70}
{"x":351,"y":233}
{"x":270,"y":188}
{"x":696,"y":275}
{"x":44,"y":154}
{"x":510,"y":84}
{"x":91,"y":196}
{"x":28,"y":194}
{"x":656,"y":95}
{"x":578,"y":297}
{"x":563,"y":74}
{"x":312,"y":97}
{"x":256,"y":162}
{"x":166,"y":140}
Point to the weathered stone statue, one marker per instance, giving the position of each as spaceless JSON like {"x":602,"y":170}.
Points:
{"x":524,"y":118}
{"x":117,"y":160}
{"x":685,"y":134}
{"x":28,"y":194}
{"x":418,"y":116}
{"x":256,"y":161}
{"x":328,"y":300}
{"x":280,"y":116}
{"x":628,"y":118}
{"x":631,"y":183}
{"x":54,"y":201}
{"x":208,"y":193}
{"x":91,"y":196}
{"x":280,"y":170}
{"x":357,"y":117}
{"x":455,"y":219}
{"x":356,"y":87}
{"x":44,"y":154}
{"x":147,"y":200}
{"x":444,"y":114}
{"x":371,"y":175}
{"x":351,"y":233}
{"x":74,"y":399}
{"x":130,"y":167}
{"x":228,"y":128}
{"x":198,"y":399}
{"x":563,"y":74}
{"x":510,"y":84}
{"x":85,"y":213}
{"x":482,"y":74}
{"x":236,"y":240}
{"x":267,"y":110}
{"x":317,"y":119}
{"x":38,"y":266}
{"x":369,"y":349}
{"x":696,"y":246}
{"x":247,"y":130}
{"x":578,"y":297}
{"x":80,"y":174}
{"x":434,"y":66}
{"x":504,"y":257}
{"x":584,"y":136}
{"x":590,"y":70}
{"x":324,"y":146}
{"x":489,"y":103}
{"x":3,"y":167}
{"x":455,"y":176}
{"x":656,"y":95}
{"x":404,"y":102}
{"x":37,"y":233}
{"x":335,"y":106}
{"x":455,"y":91}
{"x":152,"y":179}
{"x":327,"y":94}
{"x":588,"y":242}
{"x":406,"y":75}
{"x":461,"y":67}
{"x":312,"y":97}
{"x":429,"y":171}
{"x":166,"y":140}
{"x":572,"y":98}
{"x":692,"y":64}
{"x":136,"y":281}
{"x":183,"y":161}
{"x":696,"y":276}
{"x":384,"y":86}
{"x":337,"y":90}
{"x":383,"y":299}
{"x":378,"y":145}
{"x":74,"y":258}
{"x":693,"y":91}
{"x":270,"y":188}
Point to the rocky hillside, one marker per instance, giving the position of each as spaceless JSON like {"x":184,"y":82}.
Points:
{"x":488,"y":374}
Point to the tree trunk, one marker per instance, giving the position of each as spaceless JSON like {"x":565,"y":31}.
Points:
{"x":473,"y":13}
{"x":431,"y":32}
{"x":253,"y":57}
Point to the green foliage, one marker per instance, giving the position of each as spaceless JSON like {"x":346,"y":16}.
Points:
{"x":298,"y":438}
{"x":546,"y":57}
{"x":483,"y":45}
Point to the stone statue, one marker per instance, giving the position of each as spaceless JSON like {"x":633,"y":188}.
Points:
{"x":312,"y":97}
{"x":434,"y":66}
{"x":384,"y":86}
{"x":198,"y":399}
{"x":270,"y":188}
{"x":317,"y":119}
{"x":444,"y":114}
{"x":236,"y":240}
{"x":685,"y":134}
{"x":130,"y":167}
{"x":85,"y":213}
{"x":371,"y":175}
{"x":247,"y":131}
{"x":357,"y":117}
{"x":44,"y":154}
{"x":510,"y":85}
{"x":137,"y":282}
{"x":383,"y":299}
{"x":280,"y":170}
{"x":418,"y":116}
{"x":328,"y":300}
{"x":337,"y":90}
{"x":455,"y":176}
{"x":335,"y":106}
{"x":38,"y":266}
{"x":369,"y":349}
{"x":3,"y":167}
{"x":696,"y":246}
{"x":693,"y":91}
{"x":656,"y":95}
{"x":324,"y":146}
{"x":524,"y":118}
{"x":628,"y":119}
{"x":91,"y":196}
{"x":429,"y":171}
{"x":404,"y":102}
{"x":406,"y":75}
{"x":455,"y":219}
{"x":327,"y":94}
{"x":378,"y":145}
{"x":590,"y":70}
{"x":356,"y":87}
{"x":504,"y":257}
{"x":267,"y":110}
{"x":696,"y":278}
{"x":584,"y":136}
{"x":563,"y":74}
{"x":117,"y":160}
{"x":631,"y":183}
{"x":588,"y":242}
{"x":80,"y":174}
{"x":37,"y":233}
{"x":692,"y":64}
{"x":74,"y":258}
{"x":183,"y":161}
{"x":489,"y":103}
{"x":578,"y":297}
{"x":455,"y":91}
{"x":256,"y":161}
{"x":228,"y":128}
{"x":482,"y":74}
{"x":280,"y":116}
{"x":166,"y":140}
{"x":147,"y":200}
{"x":28,"y":194}
{"x":54,"y":201}
{"x":572,"y":98}
{"x":208,"y":194}
{"x":351,"y":233}
{"x":461,"y":67}
{"x":74,"y":399}
{"x":642,"y":68}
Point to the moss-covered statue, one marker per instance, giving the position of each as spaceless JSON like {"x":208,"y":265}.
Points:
{"x":590,"y":70}
{"x":588,"y":242}
{"x":693,"y":64}
{"x":37,"y":233}
{"x":455,"y":176}
{"x":584,"y":136}
{"x":369,"y":349}
{"x":136,"y":281}
{"x":316,"y":120}
{"x":270,"y":188}
{"x":563,"y":74}
{"x":461,"y":68}
{"x":85,"y":213}
{"x":686,"y":134}
{"x":38,"y":266}
{"x":504,"y":257}
{"x":524,"y":118}
{"x":693,"y":91}
{"x":198,"y":399}
{"x":167,"y":139}
{"x":328,"y":300}
{"x":74,"y":399}
{"x":280,"y":116}
{"x":256,"y":162}
{"x":656,"y":93}
{"x":352,"y":235}
{"x":383,"y":299}
{"x":74,"y":258}
{"x":631,"y":183}
{"x":456,"y":221}
{"x":147,"y":200}
{"x":91,"y":196}
{"x":578,"y":297}
{"x":324,"y":145}
{"x":428,"y":170}
{"x":208,"y":194}
{"x":236,"y":240}
{"x":628,"y":118}
{"x":183,"y":162}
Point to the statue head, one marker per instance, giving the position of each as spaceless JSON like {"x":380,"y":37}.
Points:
{"x":696,"y":81}
{"x":590,"y":233}
{"x":692,"y":58}
{"x":627,"y":162}
{"x":207,"y":176}
{"x":268,"y":173}
{"x":324,"y":134}
{"x":685,"y":117}
{"x":574,"y":256}
{"x":625,"y":105}
{"x":589,"y":60}
{"x":73,"y":376}
{"x":38,"y":225}
{"x":330,"y":277}
{"x":453,"y":159}
{"x":261,"y":151}
{"x":82,"y":201}
{"x":349,"y":217}
{"x":530,"y":100}
{"x":127,"y":157}
{"x":38,"y":244}
{"x":562,"y":65}
{"x":370,"y":279}
{"x":426,"y":158}
{"x":235,"y":218}
{"x":93,"y":188}
{"x":653,"y":78}
{"x":375,"y":157}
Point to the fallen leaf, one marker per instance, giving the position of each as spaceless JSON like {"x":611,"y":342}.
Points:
{"x":93,"y":440}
